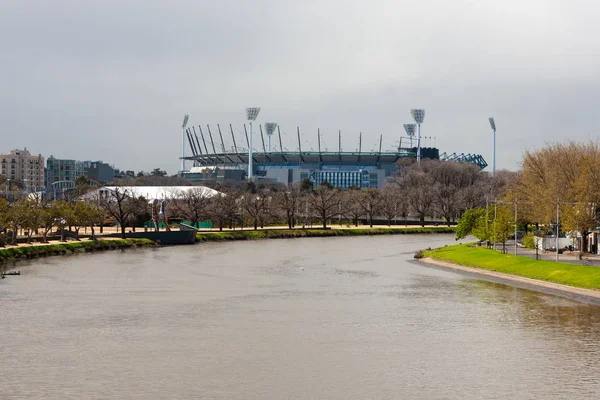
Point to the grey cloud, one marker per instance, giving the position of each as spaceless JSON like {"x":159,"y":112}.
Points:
{"x":111,"y":80}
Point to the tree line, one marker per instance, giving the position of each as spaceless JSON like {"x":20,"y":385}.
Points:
{"x":557,"y":189}
{"x":434,"y":189}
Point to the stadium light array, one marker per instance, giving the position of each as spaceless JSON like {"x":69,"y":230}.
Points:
{"x":251,"y":114}
{"x":270,"y":128}
{"x":410,"y":131}
{"x":183,"y":125}
{"x":418,"y":115}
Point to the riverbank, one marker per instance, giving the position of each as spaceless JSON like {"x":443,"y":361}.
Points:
{"x":570,"y":280}
{"x":84,"y":246}
{"x":300,"y":233}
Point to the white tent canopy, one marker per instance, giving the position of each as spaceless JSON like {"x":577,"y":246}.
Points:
{"x":151,"y":193}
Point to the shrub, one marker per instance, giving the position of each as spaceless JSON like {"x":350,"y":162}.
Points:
{"x":529,"y":241}
{"x":419,"y":254}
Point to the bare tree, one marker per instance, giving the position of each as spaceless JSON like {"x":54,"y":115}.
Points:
{"x":120,"y":204}
{"x":351,"y":205}
{"x":223,"y":206}
{"x":370,"y":202}
{"x":287,"y":201}
{"x":193,"y":204}
{"x":391,"y":202}
{"x":451,"y":179}
{"x":418,"y":187}
{"x":256,"y":205}
{"x":325,"y":201}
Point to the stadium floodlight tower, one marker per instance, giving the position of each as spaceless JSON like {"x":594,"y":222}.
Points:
{"x":493,"y":125}
{"x":410,"y":131}
{"x":183,"y":125}
{"x":418,"y":115}
{"x":251,"y":114}
{"x":270,"y":127}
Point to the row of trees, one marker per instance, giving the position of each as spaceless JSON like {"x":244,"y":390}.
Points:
{"x":434,"y":189}
{"x":32,"y":216}
{"x":557,"y":186}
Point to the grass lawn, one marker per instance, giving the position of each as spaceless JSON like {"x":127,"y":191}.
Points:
{"x":479,"y":257}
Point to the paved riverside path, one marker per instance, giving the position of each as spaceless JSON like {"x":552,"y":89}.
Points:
{"x":571,"y":257}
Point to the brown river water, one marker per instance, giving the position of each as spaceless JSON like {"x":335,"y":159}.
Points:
{"x":332,"y":318}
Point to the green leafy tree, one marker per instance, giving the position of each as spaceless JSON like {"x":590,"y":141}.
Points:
{"x":4,"y":208}
{"x":62,"y":210}
{"x":79,"y":217}
{"x":33,"y":212}
{"x":502,"y":226}
{"x":158,"y":172}
{"x":17,"y":217}
{"x":48,"y":218}
{"x":467,"y":224}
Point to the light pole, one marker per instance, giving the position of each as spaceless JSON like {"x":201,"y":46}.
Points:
{"x":251,"y":114}
{"x":183,"y":125}
{"x":410,"y":131}
{"x":270,"y":127}
{"x":493,"y":125}
{"x":418,"y":115}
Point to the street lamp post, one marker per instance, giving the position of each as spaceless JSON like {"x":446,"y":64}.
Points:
{"x":183,"y":125}
{"x":493,"y":126}
{"x":251,"y":114}
{"x":418,"y":115}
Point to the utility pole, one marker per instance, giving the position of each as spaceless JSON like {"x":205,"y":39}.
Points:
{"x":516,"y":228}
{"x":495,"y":214}
{"x":557,"y":218}
{"x":487,"y":217}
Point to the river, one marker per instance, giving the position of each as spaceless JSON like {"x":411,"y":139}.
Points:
{"x":319,"y":318}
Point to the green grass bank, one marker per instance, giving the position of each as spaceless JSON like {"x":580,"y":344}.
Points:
{"x":29,"y":252}
{"x":479,"y":257}
{"x":301,"y":233}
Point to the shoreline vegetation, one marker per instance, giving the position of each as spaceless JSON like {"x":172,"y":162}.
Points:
{"x":28,"y":251}
{"x":572,"y":280}
{"x":316,"y":232}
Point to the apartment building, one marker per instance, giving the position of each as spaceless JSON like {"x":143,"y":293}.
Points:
{"x":65,"y":170}
{"x":20,"y":165}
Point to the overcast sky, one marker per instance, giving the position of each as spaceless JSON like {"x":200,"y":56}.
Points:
{"x":111,"y":80}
